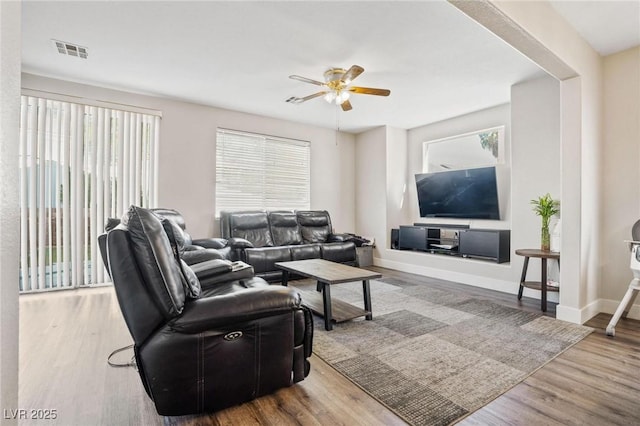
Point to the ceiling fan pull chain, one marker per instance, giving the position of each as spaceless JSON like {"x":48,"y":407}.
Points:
{"x":337,"y":123}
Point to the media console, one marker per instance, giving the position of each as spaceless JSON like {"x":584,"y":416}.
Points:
{"x":456,"y":240}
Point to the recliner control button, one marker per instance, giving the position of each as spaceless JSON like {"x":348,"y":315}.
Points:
{"x":233,"y":335}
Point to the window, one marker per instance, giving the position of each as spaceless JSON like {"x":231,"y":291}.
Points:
{"x":256,"y":172}
{"x":79,"y":166}
{"x":476,"y":149}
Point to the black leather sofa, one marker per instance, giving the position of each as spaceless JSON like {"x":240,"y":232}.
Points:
{"x":262,"y":238}
{"x":207,"y":341}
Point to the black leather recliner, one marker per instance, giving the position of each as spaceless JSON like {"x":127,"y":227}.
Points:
{"x":202,"y":348}
{"x":263,"y":238}
{"x":198,"y":250}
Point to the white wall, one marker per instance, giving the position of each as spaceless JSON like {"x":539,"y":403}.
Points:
{"x":621,"y":172}
{"x":479,"y":120}
{"x":535,"y":167}
{"x":540,"y":33}
{"x":9,"y":205}
{"x":187,"y":153}
{"x":469,"y":271}
{"x":531,"y":168}
{"x":535,"y":118}
{"x":398,"y":188}
{"x":381,"y":189}
{"x":371,"y":183}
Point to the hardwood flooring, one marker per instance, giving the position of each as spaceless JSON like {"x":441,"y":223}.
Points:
{"x":65,"y":338}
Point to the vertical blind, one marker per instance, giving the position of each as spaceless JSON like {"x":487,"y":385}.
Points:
{"x":79,"y":166}
{"x":261,"y":172}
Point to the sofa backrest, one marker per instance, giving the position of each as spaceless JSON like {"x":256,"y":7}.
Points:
{"x":284,"y":228}
{"x":315,"y":225}
{"x":155,"y":259}
{"x":140,"y":311}
{"x":172,"y":214}
{"x":277,"y":228}
{"x":176,"y":218}
{"x":250,"y":225}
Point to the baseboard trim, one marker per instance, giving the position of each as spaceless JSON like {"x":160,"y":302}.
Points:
{"x":609,"y":306}
{"x":469,"y":279}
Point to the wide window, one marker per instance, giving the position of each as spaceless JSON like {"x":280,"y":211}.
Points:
{"x":79,"y":166}
{"x":256,"y":172}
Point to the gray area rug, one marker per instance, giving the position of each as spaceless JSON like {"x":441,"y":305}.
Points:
{"x":435,"y":356}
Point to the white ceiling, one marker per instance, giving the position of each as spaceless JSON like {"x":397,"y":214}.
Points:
{"x":436,"y":61}
{"x":608,"y":26}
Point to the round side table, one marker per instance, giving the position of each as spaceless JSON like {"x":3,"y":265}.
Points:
{"x":543,"y":255}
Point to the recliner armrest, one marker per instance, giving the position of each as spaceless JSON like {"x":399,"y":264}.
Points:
{"x":212,"y":243}
{"x":211,"y":268}
{"x":239,"y":243}
{"x":193,"y":257}
{"x":209,"y":281}
{"x":339,"y":238}
{"x":210,"y":312}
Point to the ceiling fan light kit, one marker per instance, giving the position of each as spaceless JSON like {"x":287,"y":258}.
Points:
{"x":336,"y":82}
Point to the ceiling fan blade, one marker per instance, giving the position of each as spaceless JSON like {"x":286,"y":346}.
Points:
{"x":315,"y":95}
{"x":370,"y":91}
{"x":296,"y":100}
{"x":306,"y":80}
{"x":346,"y":105}
{"x":351,"y":74}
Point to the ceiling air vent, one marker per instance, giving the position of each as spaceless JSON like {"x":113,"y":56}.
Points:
{"x":70,"y":49}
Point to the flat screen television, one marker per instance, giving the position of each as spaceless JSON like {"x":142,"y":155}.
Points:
{"x":464,"y":194}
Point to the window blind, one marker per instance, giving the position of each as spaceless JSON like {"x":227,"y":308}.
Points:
{"x":256,"y":172}
{"x":79,"y":166}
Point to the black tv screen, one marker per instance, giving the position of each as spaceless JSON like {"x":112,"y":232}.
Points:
{"x":465,"y":194}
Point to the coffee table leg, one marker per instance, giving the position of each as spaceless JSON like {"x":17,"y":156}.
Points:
{"x":285,"y":278}
{"x":326,"y":302}
{"x":367,"y":299}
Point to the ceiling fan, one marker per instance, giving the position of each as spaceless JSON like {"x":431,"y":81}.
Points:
{"x":336,"y":87}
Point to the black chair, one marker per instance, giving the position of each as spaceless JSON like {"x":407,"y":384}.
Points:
{"x":195,"y":250}
{"x":200,"y":349}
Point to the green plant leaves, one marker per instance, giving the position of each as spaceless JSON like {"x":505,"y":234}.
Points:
{"x":545,"y":206}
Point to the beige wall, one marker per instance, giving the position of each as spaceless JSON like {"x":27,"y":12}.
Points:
{"x":535,"y":167}
{"x":531,"y":168}
{"x":621,"y":172}
{"x":540,"y":33}
{"x":9,"y":205}
{"x":371,"y":181}
{"x":186,"y":164}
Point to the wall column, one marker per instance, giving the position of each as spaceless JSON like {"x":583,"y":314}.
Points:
{"x":10,"y":54}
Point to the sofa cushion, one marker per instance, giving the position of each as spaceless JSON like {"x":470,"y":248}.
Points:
{"x":176,"y":218}
{"x":305,"y":251}
{"x":155,"y":258}
{"x":252,"y":226}
{"x":284,"y":228}
{"x":263,"y":259}
{"x":190,"y":281}
{"x":315,"y":225}
{"x":174,"y":233}
{"x":339,"y":252}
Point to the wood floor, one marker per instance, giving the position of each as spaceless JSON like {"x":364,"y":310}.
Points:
{"x":65,"y":338}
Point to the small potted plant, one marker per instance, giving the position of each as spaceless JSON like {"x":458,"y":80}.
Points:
{"x":545,"y":207}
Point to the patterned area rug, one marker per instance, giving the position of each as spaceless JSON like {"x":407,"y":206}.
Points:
{"x":435,"y":356}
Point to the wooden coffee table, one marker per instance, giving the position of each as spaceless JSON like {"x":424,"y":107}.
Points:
{"x":328,"y":273}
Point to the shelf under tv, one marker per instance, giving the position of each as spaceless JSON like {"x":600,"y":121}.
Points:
{"x":485,"y":244}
